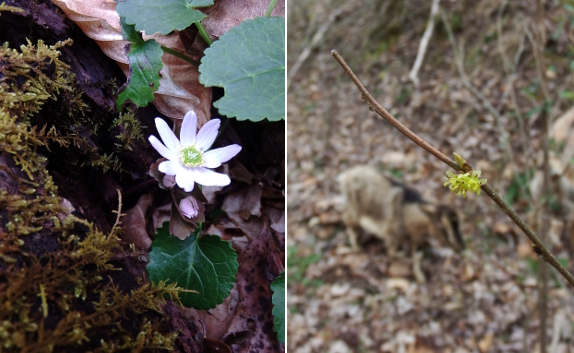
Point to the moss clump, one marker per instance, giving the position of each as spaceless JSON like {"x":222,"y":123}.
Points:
{"x":130,"y":131}
{"x":57,"y":271}
{"x":34,"y":76}
{"x":4,"y":7}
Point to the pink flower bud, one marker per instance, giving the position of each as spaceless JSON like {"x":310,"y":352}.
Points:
{"x":168,"y":181}
{"x":189,"y":207}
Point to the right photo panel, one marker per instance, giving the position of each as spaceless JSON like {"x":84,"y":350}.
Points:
{"x":430,"y":179}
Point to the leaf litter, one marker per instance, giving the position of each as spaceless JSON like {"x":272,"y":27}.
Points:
{"x":482,"y":300}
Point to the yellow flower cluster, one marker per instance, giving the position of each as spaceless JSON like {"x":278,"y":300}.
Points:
{"x":463,"y":182}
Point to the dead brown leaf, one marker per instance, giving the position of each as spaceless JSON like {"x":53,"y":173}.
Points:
{"x":400,"y":269}
{"x":216,"y":320}
{"x":244,"y":208}
{"x":252,"y":325}
{"x":485,"y":343}
{"x":135,"y":223}
{"x":179,"y":90}
{"x":229,"y":13}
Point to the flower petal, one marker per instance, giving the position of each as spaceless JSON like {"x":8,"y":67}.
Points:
{"x":188,"y":129}
{"x":184,"y":180}
{"x":164,"y":151}
{"x":214,"y":158}
{"x":167,"y":136}
{"x":207,"y":135}
{"x":171,"y":167}
{"x":208,"y":177}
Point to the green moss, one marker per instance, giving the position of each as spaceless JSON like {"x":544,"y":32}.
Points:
{"x":34,"y":75}
{"x":63,"y":299}
{"x":130,"y":131}
{"x":4,"y":7}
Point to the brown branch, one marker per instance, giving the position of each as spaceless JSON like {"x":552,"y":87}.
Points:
{"x":375,"y":106}
{"x":538,"y":246}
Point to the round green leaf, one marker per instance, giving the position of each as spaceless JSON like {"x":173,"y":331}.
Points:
{"x":278,"y":288}
{"x":207,"y":265}
{"x":162,"y":16}
{"x":249,"y":63}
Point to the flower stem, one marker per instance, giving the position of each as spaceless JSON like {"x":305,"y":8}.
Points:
{"x":179,"y":55}
{"x":203,"y":33}
{"x":374,"y":105}
{"x":270,"y":8}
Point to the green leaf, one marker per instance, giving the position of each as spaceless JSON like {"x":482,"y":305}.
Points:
{"x":162,"y":16}
{"x":207,"y":265}
{"x":278,"y":288}
{"x":145,"y":63}
{"x":249,"y":63}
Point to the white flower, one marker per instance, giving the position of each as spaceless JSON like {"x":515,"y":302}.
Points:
{"x":190,"y":159}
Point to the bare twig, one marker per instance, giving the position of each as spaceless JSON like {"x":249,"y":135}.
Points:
{"x":312,"y":45}
{"x":424,"y":43}
{"x":538,"y":246}
{"x":375,"y":106}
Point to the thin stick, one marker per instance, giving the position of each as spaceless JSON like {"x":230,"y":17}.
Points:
{"x":317,"y":38}
{"x":373,"y":105}
{"x":413,"y":75}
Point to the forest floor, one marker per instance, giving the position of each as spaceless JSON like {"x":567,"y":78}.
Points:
{"x":484,"y":299}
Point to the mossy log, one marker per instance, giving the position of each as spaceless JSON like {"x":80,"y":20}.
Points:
{"x":67,"y":281}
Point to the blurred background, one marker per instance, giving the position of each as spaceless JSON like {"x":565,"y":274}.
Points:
{"x":491,"y":76}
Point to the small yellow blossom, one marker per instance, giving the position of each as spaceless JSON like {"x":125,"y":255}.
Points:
{"x":463,"y":182}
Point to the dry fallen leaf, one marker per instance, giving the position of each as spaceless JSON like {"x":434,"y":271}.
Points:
{"x":277,"y":218}
{"x":244,"y":208}
{"x":501,"y":228}
{"x":179,"y":90}
{"x":525,"y":250}
{"x":229,"y":231}
{"x":229,"y":13}
{"x":253,"y":321}
{"x":135,"y":224}
{"x":401,"y":284}
{"x":469,"y":273}
{"x":485,"y":343}
{"x":400,"y":269}
{"x":216,"y":320}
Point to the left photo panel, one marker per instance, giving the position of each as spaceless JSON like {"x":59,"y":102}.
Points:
{"x":142,"y":176}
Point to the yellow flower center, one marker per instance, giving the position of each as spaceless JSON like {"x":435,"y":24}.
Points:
{"x":191,"y":157}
